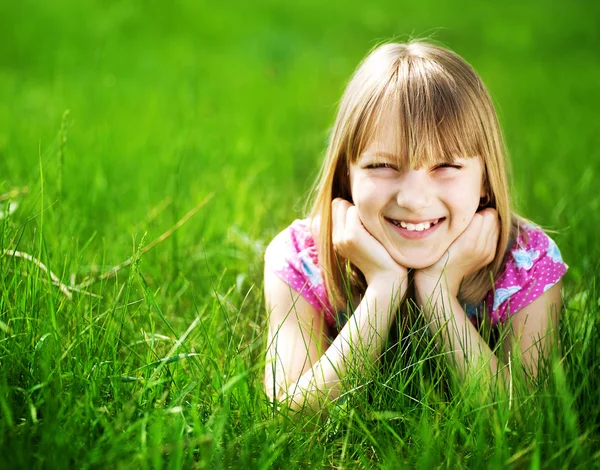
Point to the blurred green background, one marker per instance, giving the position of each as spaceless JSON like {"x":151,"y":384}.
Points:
{"x":117,"y":117}
{"x":179,"y":99}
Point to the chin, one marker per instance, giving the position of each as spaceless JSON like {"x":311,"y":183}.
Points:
{"x":417,"y":262}
{"x":416,"y":265}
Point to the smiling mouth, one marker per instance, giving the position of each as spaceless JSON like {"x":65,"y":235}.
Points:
{"x":418,"y":227}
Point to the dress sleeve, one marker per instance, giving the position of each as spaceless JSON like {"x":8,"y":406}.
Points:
{"x":533,"y":266}
{"x":292,"y":256}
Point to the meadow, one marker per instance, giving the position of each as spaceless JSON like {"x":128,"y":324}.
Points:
{"x":149,"y":151}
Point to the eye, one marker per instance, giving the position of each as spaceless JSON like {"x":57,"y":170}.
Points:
{"x":441,"y":166}
{"x":374,"y":166}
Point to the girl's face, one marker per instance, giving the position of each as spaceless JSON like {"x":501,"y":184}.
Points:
{"x":415,"y":213}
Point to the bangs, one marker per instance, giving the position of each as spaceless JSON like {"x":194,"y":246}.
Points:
{"x":425,"y":115}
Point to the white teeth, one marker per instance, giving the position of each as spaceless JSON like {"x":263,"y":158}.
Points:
{"x":416,"y":227}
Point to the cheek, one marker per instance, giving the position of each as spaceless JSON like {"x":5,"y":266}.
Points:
{"x":367,"y":197}
{"x":466,"y":206}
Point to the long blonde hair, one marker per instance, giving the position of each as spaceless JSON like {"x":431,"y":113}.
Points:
{"x":443,"y":110}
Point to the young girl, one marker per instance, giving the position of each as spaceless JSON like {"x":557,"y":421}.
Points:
{"x":414,"y":181}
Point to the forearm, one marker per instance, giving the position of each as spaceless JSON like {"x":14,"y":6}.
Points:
{"x":358,"y":344}
{"x":467,"y":350}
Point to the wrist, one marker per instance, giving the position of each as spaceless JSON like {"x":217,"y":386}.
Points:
{"x":397,"y":278}
{"x":393,"y":283}
{"x":430,"y":287}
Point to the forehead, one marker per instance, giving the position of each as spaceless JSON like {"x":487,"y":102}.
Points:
{"x":415,"y":143}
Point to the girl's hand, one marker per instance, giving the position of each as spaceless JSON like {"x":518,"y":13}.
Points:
{"x":471,"y":251}
{"x":352,"y":241}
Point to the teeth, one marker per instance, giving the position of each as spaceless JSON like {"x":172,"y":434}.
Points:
{"x":416,"y":227}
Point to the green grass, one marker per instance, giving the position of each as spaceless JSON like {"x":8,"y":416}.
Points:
{"x":170,"y":103}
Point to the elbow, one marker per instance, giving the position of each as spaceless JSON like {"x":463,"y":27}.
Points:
{"x":273,"y":390}
{"x":293,"y":399}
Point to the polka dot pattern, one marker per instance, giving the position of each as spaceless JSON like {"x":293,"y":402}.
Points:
{"x":533,"y":266}
{"x":292,"y":256}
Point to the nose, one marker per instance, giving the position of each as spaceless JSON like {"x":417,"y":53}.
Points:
{"x":414,"y":190}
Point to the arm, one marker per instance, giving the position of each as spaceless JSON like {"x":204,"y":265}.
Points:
{"x":534,"y":329}
{"x":459,"y":338}
{"x":301,"y":369}
{"x":297,"y":336}
{"x":437,"y":289}
{"x":530,"y":337}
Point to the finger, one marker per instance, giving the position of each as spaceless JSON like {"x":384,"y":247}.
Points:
{"x":470,"y":237}
{"x":490,"y":234}
{"x":491,"y":225}
{"x":339,"y":209}
{"x":475,"y":241}
{"x":353,"y":223}
{"x":356,"y":233}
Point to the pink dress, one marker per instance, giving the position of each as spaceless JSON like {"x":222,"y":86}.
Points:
{"x":533,"y":265}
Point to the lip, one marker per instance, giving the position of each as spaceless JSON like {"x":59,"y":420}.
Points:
{"x":414,"y":235}
{"x":416,"y":221}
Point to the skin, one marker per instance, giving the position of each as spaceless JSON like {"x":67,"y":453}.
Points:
{"x":446,"y":192}
{"x":305,"y":373}
{"x":302,"y":370}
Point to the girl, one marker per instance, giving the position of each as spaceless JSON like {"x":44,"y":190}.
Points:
{"x":414,"y":181}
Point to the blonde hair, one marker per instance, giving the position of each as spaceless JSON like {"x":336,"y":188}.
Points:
{"x":443,"y":110}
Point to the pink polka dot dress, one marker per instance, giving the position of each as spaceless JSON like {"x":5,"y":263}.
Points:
{"x":532,"y":266}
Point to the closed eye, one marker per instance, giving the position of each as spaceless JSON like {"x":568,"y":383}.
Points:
{"x":373,"y":166}
{"x":447,"y":165}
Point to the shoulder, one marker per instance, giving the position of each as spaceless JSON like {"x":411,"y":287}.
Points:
{"x":532,"y":248}
{"x":290,"y":244}
{"x":533,"y":265}
{"x":292,"y":256}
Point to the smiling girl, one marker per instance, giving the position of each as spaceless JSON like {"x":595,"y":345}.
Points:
{"x":413,"y":186}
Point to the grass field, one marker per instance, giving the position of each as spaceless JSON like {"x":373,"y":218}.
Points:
{"x":118,"y":118}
